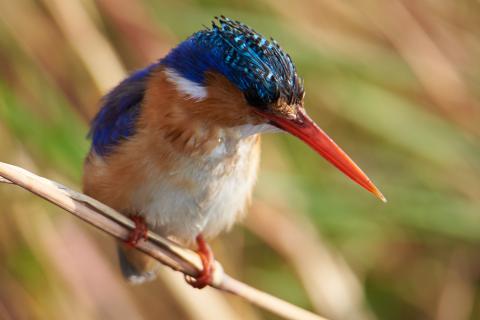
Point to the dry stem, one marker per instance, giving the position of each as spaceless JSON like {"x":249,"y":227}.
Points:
{"x":164,"y":250}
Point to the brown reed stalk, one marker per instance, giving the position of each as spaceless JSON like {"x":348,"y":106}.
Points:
{"x":167,"y":252}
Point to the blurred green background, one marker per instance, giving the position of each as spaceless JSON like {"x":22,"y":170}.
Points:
{"x":395,"y":82}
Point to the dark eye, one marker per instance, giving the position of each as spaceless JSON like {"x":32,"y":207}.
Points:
{"x":256,"y":99}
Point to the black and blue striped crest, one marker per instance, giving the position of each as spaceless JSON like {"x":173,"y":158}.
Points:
{"x":257,"y":66}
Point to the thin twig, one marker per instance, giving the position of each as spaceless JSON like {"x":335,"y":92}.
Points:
{"x":163,"y":250}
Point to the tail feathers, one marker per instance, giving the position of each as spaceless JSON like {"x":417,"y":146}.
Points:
{"x":136,"y":266}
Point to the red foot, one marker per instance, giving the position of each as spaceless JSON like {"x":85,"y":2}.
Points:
{"x":206,"y":255}
{"x":140,"y":231}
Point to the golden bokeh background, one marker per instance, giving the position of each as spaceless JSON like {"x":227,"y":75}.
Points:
{"x":395,"y":82}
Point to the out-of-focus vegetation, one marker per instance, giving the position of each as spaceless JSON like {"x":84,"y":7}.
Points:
{"x":395,"y":83}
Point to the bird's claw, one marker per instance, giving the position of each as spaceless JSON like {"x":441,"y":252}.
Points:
{"x":140,"y":231}
{"x":206,"y":256}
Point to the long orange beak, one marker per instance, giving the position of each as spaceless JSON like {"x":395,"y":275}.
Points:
{"x":304,"y":128}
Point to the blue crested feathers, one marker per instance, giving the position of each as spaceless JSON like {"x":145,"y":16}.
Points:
{"x":257,"y":66}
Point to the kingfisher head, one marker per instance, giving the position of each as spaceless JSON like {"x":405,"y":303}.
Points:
{"x":261,"y":79}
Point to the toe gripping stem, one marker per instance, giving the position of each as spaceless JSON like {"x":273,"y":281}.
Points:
{"x":140,"y":231}
{"x":206,"y":256}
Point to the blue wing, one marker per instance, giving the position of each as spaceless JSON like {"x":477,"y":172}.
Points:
{"x":120,"y":108}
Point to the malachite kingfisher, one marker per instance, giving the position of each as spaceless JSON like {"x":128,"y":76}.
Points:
{"x":176,"y":145}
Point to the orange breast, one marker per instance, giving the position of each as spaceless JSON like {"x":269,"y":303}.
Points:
{"x":188,"y":169}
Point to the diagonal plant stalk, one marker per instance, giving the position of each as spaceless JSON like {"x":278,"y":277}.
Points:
{"x":167,"y":252}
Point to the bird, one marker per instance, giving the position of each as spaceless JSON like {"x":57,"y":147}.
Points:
{"x":176,"y":145}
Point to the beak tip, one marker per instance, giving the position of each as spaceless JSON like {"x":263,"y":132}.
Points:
{"x":379,"y":195}
{"x":384,"y":200}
